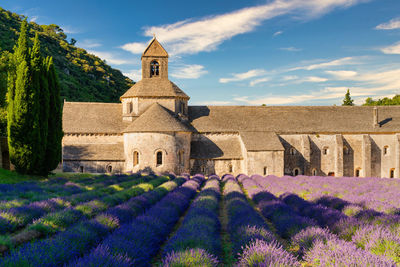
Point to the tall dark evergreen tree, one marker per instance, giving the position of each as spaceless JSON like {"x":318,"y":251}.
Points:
{"x":347,"y":101}
{"x":23,"y":116}
{"x":55,"y":133}
{"x":40,"y":78}
{"x":34,"y":109}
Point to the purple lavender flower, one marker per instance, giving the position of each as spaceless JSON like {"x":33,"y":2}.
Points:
{"x":191,"y":258}
{"x":261,"y":253}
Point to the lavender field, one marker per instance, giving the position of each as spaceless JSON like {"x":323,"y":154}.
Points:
{"x":153,"y":220}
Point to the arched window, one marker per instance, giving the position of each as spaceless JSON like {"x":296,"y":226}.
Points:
{"x":135,"y":158}
{"x":265,"y":170}
{"x":391,"y":173}
{"x":292,"y":151}
{"x":109,"y":168}
{"x":314,"y":172}
{"x":159,"y":158}
{"x":325,"y":150}
{"x":154,"y":68}
{"x":203,"y":169}
{"x":230,"y":168}
{"x":180,"y":157}
{"x":128,"y":107}
{"x":357,"y":172}
{"x":385,"y":150}
{"x":81,"y":168}
{"x":296,"y":171}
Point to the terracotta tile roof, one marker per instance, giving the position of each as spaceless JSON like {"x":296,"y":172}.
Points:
{"x":227,"y":147}
{"x":89,"y":117}
{"x":94,"y":152}
{"x":155,"y":87}
{"x":261,"y":141}
{"x":157,"y":119}
{"x":294,"y":119}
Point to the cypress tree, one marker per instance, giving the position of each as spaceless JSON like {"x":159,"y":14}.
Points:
{"x":23,"y":109}
{"x":347,"y":101}
{"x":55,"y":133}
{"x":39,"y":68}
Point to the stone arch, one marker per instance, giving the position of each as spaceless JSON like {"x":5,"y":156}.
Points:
{"x":357,"y":172}
{"x":136,"y":157}
{"x":314,"y":172}
{"x":160,"y":156}
{"x":154,"y":68}
{"x":391,"y":172}
{"x":109,"y":168}
{"x":296,"y":171}
{"x":292,"y":151}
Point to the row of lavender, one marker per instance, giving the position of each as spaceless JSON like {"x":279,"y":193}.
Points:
{"x":86,"y":233}
{"x":321,"y":235}
{"x":380,"y":194}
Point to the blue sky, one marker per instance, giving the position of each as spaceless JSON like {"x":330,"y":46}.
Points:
{"x":275,"y":52}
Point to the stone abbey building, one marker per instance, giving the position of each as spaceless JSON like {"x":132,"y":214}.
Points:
{"x":154,"y":128}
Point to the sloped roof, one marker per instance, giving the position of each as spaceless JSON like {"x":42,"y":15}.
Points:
{"x":89,"y":117}
{"x":294,"y":119}
{"x":155,"y":87}
{"x":157,"y":119}
{"x":261,"y":141}
{"x":154,"y":49}
{"x":227,"y":147}
{"x":94,"y":152}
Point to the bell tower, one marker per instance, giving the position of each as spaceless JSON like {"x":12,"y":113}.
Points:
{"x":155,"y":61}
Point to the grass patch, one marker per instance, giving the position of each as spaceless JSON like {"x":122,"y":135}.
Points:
{"x":12,"y":177}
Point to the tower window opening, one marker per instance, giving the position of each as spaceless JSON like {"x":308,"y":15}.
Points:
{"x":391,"y":173}
{"x":135,"y":158}
{"x":385,"y":150}
{"x":159,"y":158}
{"x":325,"y":151}
{"x":265,"y":170}
{"x":154,"y":68}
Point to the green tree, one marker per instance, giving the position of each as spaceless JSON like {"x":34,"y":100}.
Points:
{"x":386,"y":101}
{"x":347,"y":101}
{"x":55,"y":133}
{"x":23,"y":116}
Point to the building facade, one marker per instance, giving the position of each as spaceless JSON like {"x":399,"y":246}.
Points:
{"x":154,"y":129}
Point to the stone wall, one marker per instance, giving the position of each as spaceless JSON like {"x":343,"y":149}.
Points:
{"x":148,"y":144}
{"x":257,"y":161}
{"x":93,"y":166}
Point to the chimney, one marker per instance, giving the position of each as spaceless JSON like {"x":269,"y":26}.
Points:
{"x":376,"y":124}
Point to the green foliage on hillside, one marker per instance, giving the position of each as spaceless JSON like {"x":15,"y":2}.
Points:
{"x":83,"y":77}
{"x":383,"y":102}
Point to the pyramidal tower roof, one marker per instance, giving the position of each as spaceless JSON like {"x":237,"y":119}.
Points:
{"x":157,"y":119}
{"x":154,"y":49}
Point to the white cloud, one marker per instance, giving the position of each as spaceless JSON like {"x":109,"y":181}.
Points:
{"x":290,"y":77}
{"x":109,"y":57}
{"x":206,"y":34}
{"x":322,"y":65}
{"x":277,"y":33}
{"x":189,"y":72}
{"x":290,"y":49}
{"x":135,"y":75}
{"x":243,"y":76}
{"x":33,"y":18}
{"x":257,"y":81}
{"x":135,"y":48}
{"x":392,"y":49}
{"x":342,"y":74}
{"x":89,"y":43}
{"x":314,"y":79}
{"x":70,"y":30}
{"x":391,"y":25}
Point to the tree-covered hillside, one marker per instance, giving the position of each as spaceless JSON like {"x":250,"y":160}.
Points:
{"x":83,"y":76}
{"x":383,"y":102}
